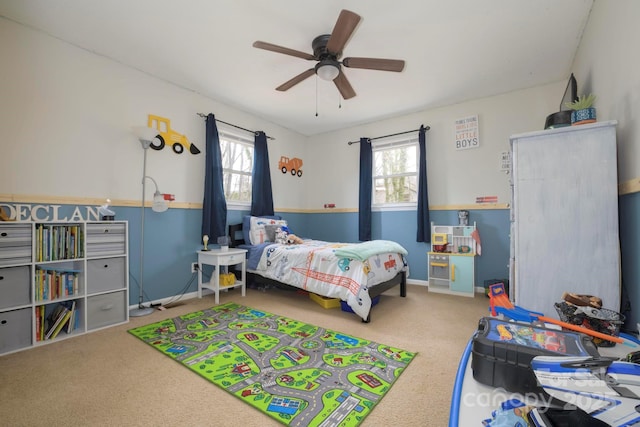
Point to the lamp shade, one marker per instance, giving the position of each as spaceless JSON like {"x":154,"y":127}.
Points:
{"x":145,"y":135}
{"x":159,"y":203}
{"x":328,"y":69}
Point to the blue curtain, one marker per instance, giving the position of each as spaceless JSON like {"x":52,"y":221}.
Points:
{"x":424,"y":223}
{"x":366,"y":178}
{"x":261,"y":195}
{"x":214,"y":206}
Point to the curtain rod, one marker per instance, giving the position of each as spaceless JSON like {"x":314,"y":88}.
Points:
{"x":235,"y":126}
{"x":387,"y":136}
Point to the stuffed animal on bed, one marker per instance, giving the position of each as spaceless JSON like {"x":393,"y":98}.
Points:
{"x":281,"y":236}
{"x":292,"y":239}
{"x":285,"y":237}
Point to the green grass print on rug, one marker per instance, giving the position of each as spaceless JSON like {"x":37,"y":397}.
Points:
{"x":296,"y":373}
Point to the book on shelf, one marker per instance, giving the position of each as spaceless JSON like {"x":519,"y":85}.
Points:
{"x":65,"y":319}
{"x":55,"y":282}
{"x":42,"y":321}
{"x":58,"y":242}
{"x":38,"y":322}
{"x":56,"y":320}
{"x":71,"y":324}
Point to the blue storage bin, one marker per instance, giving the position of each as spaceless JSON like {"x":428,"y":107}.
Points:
{"x":345,"y":307}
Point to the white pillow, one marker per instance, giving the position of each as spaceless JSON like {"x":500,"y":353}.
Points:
{"x":258,"y":233}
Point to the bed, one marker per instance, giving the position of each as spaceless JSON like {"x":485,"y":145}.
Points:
{"x":352,"y":272}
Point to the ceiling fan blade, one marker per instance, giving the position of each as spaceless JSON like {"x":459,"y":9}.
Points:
{"x":284,"y":50}
{"x":344,"y":28}
{"x":344,"y":86}
{"x":374,"y":64}
{"x":297,"y":79}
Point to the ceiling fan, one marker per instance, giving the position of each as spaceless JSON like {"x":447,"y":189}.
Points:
{"x":327,"y":50}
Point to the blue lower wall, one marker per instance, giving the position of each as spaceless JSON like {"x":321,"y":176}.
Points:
{"x":172,"y":239}
{"x":629,"y":212}
{"x":400,"y":226}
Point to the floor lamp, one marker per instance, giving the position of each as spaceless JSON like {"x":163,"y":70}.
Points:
{"x":146,"y":136}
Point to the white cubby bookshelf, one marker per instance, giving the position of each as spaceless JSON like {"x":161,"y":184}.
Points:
{"x":46,"y":267}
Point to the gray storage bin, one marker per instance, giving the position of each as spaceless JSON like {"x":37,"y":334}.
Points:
{"x":15,"y":329}
{"x":106,"y":309}
{"x":106,"y":274}
{"x":15,"y":244}
{"x":15,"y":286}
{"x":105,"y":239}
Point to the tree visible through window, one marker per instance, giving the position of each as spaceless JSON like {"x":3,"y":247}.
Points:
{"x":395,"y":172}
{"x":237,"y":166}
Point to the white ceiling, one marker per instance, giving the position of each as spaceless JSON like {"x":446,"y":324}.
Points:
{"x":455,"y":50}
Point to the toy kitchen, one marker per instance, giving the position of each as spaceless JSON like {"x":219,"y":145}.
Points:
{"x":452,"y":259}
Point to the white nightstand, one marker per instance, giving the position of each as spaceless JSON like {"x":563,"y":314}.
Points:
{"x":218,"y":258}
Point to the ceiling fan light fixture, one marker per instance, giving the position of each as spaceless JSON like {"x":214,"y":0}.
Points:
{"x":328,"y":69}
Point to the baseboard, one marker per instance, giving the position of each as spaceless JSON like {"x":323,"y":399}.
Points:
{"x":194,"y":294}
{"x":173,"y":299}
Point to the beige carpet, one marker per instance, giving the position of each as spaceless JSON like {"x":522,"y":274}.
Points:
{"x":111,"y":378}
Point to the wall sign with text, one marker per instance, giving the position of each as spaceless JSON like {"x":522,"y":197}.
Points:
{"x":467,"y":133}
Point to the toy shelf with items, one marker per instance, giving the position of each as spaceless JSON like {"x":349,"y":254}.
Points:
{"x":451,"y":261}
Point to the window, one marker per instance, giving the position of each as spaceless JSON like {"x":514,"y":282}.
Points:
{"x":395,"y":172}
{"x":237,"y":167}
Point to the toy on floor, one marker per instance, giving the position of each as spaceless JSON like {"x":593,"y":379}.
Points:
{"x":499,"y":304}
{"x":606,"y":389}
{"x":582,"y":300}
{"x":512,"y":413}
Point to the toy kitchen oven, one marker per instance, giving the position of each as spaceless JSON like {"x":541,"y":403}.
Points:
{"x":452,"y":259}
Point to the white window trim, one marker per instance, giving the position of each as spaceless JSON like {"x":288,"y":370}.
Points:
{"x":238,"y":138}
{"x":397,"y":142}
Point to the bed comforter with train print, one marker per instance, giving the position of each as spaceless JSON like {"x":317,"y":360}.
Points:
{"x":315,"y":267}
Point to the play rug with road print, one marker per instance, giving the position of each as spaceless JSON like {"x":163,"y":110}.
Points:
{"x":299,"y":374}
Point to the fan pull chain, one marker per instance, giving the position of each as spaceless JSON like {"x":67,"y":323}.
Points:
{"x":316,"y":96}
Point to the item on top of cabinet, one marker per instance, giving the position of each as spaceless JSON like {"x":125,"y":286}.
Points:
{"x":562,"y":118}
{"x":558,"y":119}
{"x":224,"y":242}
{"x":4,"y":216}
{"x":583,"y":110}
{"x":106,"y":214}
{"x":463,"y":217}
{"x":205,"y":241}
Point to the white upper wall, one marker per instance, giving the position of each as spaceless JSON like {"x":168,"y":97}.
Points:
{"x":454,"y":176}
{"x":67,"y":118}
{"x":66,"y":126}
{"x":603,"y":65}
{"x":607,"y":64}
